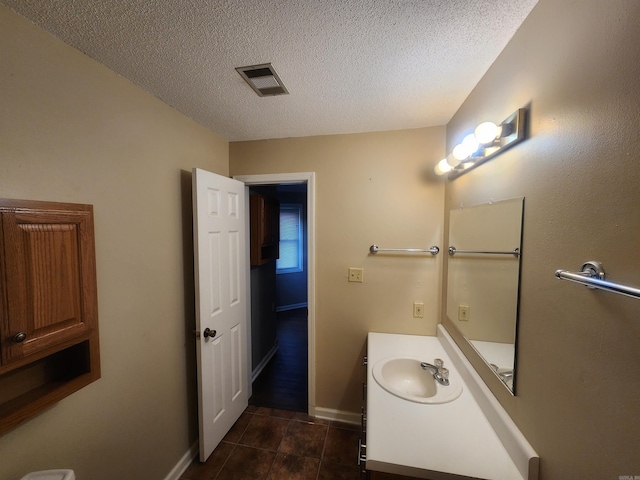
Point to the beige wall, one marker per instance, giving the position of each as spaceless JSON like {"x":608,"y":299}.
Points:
{"x":369,"y":189}
{"x":70,"y":130}
{"x":73,"y":131}
{"x":575,"y":65}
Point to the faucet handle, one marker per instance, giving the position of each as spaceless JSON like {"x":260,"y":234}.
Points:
{"x":438,"y":362}
{"x":444,"y":372}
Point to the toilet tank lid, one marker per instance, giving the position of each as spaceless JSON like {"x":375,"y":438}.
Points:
{"x":50,"y":475}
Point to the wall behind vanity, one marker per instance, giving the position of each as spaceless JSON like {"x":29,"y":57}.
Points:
{"x":575,"y":65}
{"x":369,"y":189}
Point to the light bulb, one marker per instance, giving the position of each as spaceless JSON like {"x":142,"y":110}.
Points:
{"x":452,"y":161}
{"x":442,"y":167}
{"x":486,"y":132}
{"x":470,"y":143}
{"x":460,"y":152}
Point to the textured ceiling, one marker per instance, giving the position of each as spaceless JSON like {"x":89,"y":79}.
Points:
{"x":349,"y":65}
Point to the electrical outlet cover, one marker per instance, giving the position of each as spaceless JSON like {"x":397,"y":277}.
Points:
{"x":356,"y":275}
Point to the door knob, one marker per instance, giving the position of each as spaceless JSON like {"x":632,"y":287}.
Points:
{"x":209,"y":333}
{"x":19,"y":337}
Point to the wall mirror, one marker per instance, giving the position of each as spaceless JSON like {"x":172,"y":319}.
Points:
{"x":483,"y":280}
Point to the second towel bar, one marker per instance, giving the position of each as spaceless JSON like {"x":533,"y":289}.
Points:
{"x":432,"y":250}
{"x":515,"y":252}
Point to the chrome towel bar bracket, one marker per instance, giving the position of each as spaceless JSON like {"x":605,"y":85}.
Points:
{"x":432,"y":250}
{"x":592,"y":275}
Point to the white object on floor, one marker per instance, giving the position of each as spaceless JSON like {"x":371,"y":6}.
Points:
{"x":50,"y":475}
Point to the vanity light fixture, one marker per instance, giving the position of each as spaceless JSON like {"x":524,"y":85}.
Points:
{"x":487,"y":141}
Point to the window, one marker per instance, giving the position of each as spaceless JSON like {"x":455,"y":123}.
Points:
{"x":291,"y":251}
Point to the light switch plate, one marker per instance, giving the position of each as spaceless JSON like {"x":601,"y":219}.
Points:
{"x":463,"y":313}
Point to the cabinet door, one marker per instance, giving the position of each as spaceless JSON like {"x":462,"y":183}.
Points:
{"x":272,"y":224}
{"x":265,"y":228}
{"x":266,"y":237}
{"x":49,"y":281}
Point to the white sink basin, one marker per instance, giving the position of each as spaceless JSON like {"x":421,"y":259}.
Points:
{"x":405,"y":378}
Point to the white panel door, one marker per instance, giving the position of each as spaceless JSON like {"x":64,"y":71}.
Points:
{"x":221,"y":309}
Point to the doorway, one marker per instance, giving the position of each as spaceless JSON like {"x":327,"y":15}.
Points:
{"x":279,"y":375}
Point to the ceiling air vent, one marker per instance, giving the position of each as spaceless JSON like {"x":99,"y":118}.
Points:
{"x":263,"y":79}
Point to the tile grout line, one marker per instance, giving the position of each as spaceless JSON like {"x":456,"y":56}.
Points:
{"x":235,"y":445}
{"x":278,"y":449}
{"x":324,"y":447}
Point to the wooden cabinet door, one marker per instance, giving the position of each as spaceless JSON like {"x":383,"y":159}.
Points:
{"x":272,"y":223}
{"x":265,"y":228}
{"x":49,"y":279}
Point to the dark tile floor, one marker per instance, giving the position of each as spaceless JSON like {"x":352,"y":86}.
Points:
{"x":272,"y":444}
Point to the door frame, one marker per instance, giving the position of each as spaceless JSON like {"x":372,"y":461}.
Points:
{"x":309,"y":179}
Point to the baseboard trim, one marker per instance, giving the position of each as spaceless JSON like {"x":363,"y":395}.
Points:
{"x":184,"y":463}
{"x":336,"y":415}
{"x":264,"y":362}
{"x":293,"y":306}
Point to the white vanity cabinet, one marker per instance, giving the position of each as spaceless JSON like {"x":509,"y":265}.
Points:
{"x":362,"y":446}
{"x":439,"y":441}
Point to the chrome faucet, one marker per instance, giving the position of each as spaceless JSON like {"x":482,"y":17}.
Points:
{"x":440,"y":373}
{"x":505,"y":375}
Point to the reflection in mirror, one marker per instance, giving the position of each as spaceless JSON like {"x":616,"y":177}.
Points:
{"x":483,"y":278}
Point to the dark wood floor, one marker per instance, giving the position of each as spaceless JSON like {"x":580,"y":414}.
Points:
{"x":283,"y":382}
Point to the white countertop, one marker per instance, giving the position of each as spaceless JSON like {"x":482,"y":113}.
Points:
{"x":415,"y":439}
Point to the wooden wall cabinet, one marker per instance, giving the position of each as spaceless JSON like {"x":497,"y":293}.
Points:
{"x":265,"y":229}
{"x":48,"y":306}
